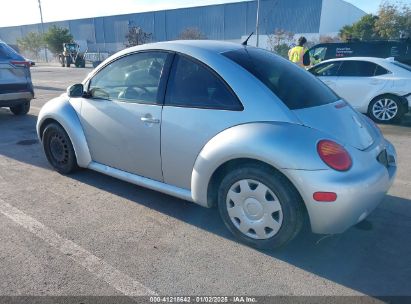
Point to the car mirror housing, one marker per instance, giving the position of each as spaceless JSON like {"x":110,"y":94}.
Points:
{"x":76,"y":90}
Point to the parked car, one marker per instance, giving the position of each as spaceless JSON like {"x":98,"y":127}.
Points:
{"x":221,"y":124}
{"x":378,"y":87}
{"x":399,"y":49}
{"x":16,"y":88}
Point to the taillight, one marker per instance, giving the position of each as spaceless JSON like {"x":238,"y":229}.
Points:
{"x":20,"y":64}
{"x":334,"y":155}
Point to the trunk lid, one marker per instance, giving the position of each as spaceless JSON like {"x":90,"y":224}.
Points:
{"x":340,"y":121}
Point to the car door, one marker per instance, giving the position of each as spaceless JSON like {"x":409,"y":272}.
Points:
{"x":122,"y":116}
{"x":198,"y":106}
{"x":357,"y":81}
{"x":327,"y":72}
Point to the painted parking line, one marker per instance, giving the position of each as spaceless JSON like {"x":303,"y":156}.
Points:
{"x":102,"y":270}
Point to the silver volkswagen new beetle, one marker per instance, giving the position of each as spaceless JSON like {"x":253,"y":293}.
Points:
{"x":227,"y":125}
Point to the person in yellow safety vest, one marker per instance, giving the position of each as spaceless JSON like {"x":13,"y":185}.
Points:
{"x":296,"y":54}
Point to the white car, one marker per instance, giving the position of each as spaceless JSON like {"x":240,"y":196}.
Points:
{"x":378,"y":87}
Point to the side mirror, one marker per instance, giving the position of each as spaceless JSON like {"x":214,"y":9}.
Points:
{"x":76,"y":90}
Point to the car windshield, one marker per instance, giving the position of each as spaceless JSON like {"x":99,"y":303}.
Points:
{"x":293,"y":85}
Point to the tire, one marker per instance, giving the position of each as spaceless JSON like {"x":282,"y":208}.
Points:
{"x":386,"y":109}
{"x":21,"y":109}
{"x":264,"y":229}
{"x":59,"y":149}
{"x":68,"y":62}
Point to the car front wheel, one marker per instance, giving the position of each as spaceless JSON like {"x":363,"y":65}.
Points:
{"x":59,"y":149}
{"x":260,"y":207}
{"x":21,"y":109}
{"x":386,"y":109}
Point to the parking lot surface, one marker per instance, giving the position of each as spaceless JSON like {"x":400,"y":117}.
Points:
{"x":90,"y":234}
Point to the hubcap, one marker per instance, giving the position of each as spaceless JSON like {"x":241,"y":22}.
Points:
{"x":59,"y":149}
{"x":385,"y":109}
{"x":254,"y":209}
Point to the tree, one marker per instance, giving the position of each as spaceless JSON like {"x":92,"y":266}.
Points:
{"x":55,"y":37}
{"x":32,"y":43}
{"x":136,"y":36}
{"x":328,"y":39}
{"x":191,"y":33}
{"x":279,"y":42}
{"x":394,"y":20}
{"x":364,"y":29}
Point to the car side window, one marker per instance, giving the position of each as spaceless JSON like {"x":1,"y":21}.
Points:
{"x":192,"y":84}
{"x":317,"y":54}
{"x":326,"y":69}
{"x":380,"y":71}
{"x":353,"y":68}
{"x":134,"y":78}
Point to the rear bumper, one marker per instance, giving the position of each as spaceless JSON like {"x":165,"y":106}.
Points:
{"x":359,"y":191}
{"x":13,"y":99}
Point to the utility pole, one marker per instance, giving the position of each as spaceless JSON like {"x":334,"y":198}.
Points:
{"x":257,"y":25}
{"x":42,"y":30}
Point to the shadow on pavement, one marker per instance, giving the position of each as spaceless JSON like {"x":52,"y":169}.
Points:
{"x":402,"y":128}
{"x":18,"y":139}
{"x":373,"y":257}
{"x":49,"y":88}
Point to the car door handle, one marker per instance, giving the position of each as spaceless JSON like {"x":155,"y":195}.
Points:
{"x":150,"y":120}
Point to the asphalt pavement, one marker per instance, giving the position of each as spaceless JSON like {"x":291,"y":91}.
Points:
{"x":90,"y":234}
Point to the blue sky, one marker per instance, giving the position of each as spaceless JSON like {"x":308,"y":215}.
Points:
{"x":26,"y":11}
{"x":369,"y":6}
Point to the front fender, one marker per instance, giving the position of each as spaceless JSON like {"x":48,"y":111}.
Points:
{"x":281,"y":145}
{"x":60,"y":110}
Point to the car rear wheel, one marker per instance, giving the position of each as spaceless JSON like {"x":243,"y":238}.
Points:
{"x":260,"y":207}
{"x":386,"y":109}
{"x":21,"y":109}
{"x":59,"y":149}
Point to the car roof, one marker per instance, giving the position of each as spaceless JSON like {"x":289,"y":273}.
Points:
{"x":190,"y":47}
{"x":369,"y":59}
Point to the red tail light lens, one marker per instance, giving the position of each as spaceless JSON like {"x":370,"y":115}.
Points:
{"x":20,"y":64}
{"x":334,"y":155}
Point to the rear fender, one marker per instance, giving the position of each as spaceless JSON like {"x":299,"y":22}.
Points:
{"x":280,"y":145}
{"x":59,"y":109}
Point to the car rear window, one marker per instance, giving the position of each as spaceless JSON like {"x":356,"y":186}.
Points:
{"x":293,"y":85}
{"x":7,"y":52}
{"x":402,"y":65}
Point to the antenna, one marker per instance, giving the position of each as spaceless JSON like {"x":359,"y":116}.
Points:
{"x":248,"y":38}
